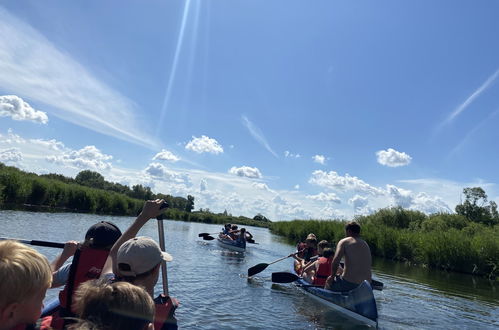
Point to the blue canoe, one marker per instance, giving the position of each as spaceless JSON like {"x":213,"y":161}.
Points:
{"x":232,"y":245}
{"x":358,"y":304}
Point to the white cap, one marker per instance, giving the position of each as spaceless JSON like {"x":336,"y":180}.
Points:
{"x":139,"y":255}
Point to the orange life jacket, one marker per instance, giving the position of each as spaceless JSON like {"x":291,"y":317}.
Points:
{"x":323,"y":271}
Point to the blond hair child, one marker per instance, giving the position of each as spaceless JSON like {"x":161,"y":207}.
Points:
{"x":110,"y":306}
{"x":25,"y":276}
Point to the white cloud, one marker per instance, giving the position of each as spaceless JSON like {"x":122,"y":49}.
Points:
{"x":166,"y":155}
{"x":204,"y":144}
{"x":246,"y":171}
{"x":16,"y":108}
{"x":203,"y":185}
{"x":11,"y":155}
{"x":289,"y":154}
{"x":160,"y":171}
{"x":257,"y":134}
{"x":297,"y":187}
{"x":420,"y":201}
{"x":279,"y":200}
{"x":88,"y":157}
{"x":393,"y":158}
{"x":319,"y":159}
{"x":360,"y":204}
{"x":323,"y":197}
{"x":333,"y":180}
{"x":261,"y":186}
{"x":49,"y":144}
{"x":31,"y":65}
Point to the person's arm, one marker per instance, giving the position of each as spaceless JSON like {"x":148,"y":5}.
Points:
{"x":150,"y":210}
{"x":309,"y":266}
{"x":68,"y":251}
{"x":249,"y":234}
{"x":340,"y":252}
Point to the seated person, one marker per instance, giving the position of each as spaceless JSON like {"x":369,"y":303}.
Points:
{"x":137,"y":260}
{"x":307,"y":271}
{"x":233,"y":232}
{"x":306,"y":250}
{"x":358,"y":261}
{"x":113,"y":306}
{"x":226,"y":229}
{"x":318,"y":271}
{"x":25,"y":277}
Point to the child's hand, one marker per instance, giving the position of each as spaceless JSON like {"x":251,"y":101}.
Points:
{"x":152,"y":208}
{"x":70,"y":248}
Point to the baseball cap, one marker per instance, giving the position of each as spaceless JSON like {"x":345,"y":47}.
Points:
{"x":311,"y":237}
{"x":103,"y":234}
{"x":139,"y":255}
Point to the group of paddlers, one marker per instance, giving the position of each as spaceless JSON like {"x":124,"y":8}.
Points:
{"x":233,"y":233}
{"x":320,"y":265}
{"x":108,"y":285}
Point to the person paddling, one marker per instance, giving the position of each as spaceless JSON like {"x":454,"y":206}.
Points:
{"x":137,"y":260}
{"x":357,"y":261}
{"x":306,"y":250}
{"x":319,"y":270}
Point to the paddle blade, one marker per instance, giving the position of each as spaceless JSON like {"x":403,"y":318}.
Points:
{"x":377,"y":285}
{"x":250,"y":240}
{"x":284,"y":277}
{"x":203,"y":234}
{"x":208,"y":238}
{"x":256,"y":269}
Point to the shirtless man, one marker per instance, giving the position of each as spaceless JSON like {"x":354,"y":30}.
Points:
{"x":357,"y":261}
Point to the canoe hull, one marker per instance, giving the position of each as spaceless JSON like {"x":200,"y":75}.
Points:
{"x":231,"y":245}
{"x":358,"y":304}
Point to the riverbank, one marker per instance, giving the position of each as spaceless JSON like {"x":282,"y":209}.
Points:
{"x":443,"y":241}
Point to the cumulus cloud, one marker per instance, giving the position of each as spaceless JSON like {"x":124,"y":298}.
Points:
{"x":323,"y":197}
{"x":10,"y":155}
{"x":261,"y":186}
{"x":319,"y":159}
{"x":420,"y":201}
{"x":393,"y":158}
{"x":360,"y":204}
{"x":158,"y":170}
{"x":203,"y":185}
{"x":288,"y":154}
{"x":49,"y":144}
{"x":333,"y":180}
{"x":16,"y":108}
{"x":88,"y":157}
{"x":166,"y":155}
{"x":204,"y":144}
{"x":279,"y":200}
{"x":246,"y":171}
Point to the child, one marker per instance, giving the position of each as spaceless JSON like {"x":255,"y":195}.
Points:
{"x":308,"y":272}
{"x":321,"y":267}
{"x":113,"y":306}
{"x":25,"y":277}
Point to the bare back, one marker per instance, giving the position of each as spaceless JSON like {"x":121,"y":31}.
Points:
{"x":357,"y":260}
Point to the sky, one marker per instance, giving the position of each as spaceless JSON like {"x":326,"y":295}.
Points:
{"x":292,"y":109}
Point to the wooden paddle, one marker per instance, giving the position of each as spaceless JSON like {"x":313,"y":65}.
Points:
{"x":287,"y":277}
{"x":161,"y":234}
{"x":36,"y":243}
{"x":260,"y":267}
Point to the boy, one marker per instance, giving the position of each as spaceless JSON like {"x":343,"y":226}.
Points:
{"x":25,"y":277}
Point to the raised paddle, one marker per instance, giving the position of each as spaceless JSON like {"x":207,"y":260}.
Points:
{"x":161,"y":234}
{"x":260,"y":267}
{"x":287,"y":277}
{"x":37,"y":243}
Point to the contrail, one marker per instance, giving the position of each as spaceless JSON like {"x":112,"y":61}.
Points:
{"x":257,"y":134}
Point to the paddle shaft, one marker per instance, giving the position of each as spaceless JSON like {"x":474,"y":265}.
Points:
{"x":36,"y":243}
{"x":161,"y":233}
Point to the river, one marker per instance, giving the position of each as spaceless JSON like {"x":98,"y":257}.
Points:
{"x":215,"y":293}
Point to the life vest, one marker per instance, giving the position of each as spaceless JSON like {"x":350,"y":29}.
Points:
{"x":87,"y":265}
{"x":323,"y":271}
{"x":164,"y":316}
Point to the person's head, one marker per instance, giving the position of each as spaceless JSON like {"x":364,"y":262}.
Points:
{"x":322,"y":245}
{"x":25,"y":276}
{"x":243,"y":231}
{"x":227,"y":226}
{"x":311,"y":240}
{"x":139,"y":258}
{"x":352,"y":228}
{"x":234,"y":227}
{"x":102,"y":235}
{"x":327,"y":253}
{"x":110,"y":306}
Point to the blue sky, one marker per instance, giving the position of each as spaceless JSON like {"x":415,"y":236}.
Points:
{"x":286,"y":108}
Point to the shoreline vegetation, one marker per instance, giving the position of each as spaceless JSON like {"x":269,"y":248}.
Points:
{"x":465,"y":242}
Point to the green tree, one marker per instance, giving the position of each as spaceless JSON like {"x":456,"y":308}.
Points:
{"x":189,"y":206}
{"x":91,"y":179}
{"x":476,"y":208}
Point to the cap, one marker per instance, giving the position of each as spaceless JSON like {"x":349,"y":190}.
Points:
{"x":139,"y":255}
{"x":103,"y":234}
{"x":311,"y":237}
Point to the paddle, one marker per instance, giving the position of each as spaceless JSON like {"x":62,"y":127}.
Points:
{"x":250,"y":240}
{"x":206,"y":234}
{"x":208,"y":238}
{"x":287,"y":277}
{"x":37,"y":243}
{"x":260,"y":267}
{"x":161,"y":234}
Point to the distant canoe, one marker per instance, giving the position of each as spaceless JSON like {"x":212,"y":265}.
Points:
{"x":232,"y":245}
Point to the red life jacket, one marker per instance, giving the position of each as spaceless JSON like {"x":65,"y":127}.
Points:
{"x":164,"y":318}
{"x":87,"y":265}
{"x":323,"y":271}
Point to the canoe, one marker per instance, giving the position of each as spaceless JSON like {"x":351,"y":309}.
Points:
{"x":232,"y":245}
{"x":358,"y":304}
